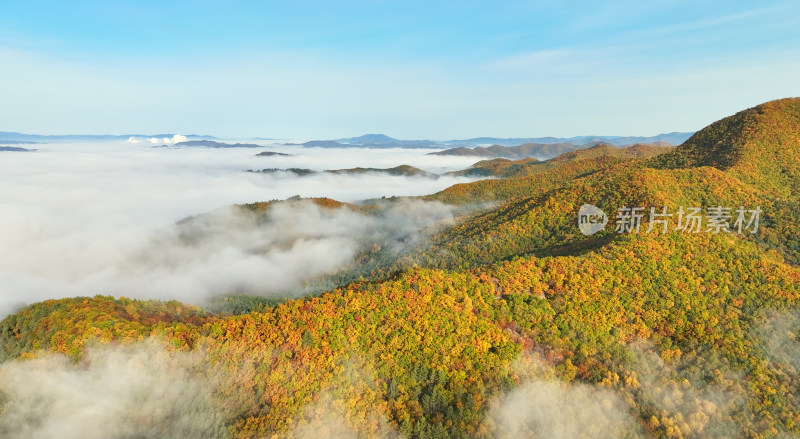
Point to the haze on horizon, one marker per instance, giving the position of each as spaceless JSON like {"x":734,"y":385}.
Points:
{"x":410,"y":70}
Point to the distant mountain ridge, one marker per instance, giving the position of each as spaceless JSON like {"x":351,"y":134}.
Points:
{"x":370,"y":141}
{"x":564,"y":143}
{"x":536,"y":150}
{"x":214,"y":144}
{"x":15,"y":148}
{"x":367,"y":140}
{"x":674,"y":138}
{"x":384,"y":141}
{"x":14,"y":137}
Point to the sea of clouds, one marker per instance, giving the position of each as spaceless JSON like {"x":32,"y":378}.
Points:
{"x":79,"y":219}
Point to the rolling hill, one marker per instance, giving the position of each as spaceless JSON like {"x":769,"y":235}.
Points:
{"x":540,"y":151}
{"x":505,"y":168}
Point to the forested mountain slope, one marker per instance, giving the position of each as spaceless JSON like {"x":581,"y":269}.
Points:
{"x":758,"y":145}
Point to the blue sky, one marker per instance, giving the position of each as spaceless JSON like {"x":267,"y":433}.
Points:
{"x":411,"y":69}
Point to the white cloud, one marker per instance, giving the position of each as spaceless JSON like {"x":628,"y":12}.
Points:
{"x":691,"y":397}
{"x":780,"y":334}
{"x":100,"y":219}
{"x":544,"y":407}
{"x":168,"y":140}
{"x":557,"y":410}
{"x":176,"y":138}
{"x":118,"y":391}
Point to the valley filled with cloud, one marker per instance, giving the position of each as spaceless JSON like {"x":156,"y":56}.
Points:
{"x":100,"y":218}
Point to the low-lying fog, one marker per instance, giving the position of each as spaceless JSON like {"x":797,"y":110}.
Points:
{"x":79,"y":219}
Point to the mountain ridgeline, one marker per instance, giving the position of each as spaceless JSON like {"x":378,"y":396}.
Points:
{"x":508,"y":322}
{"x":521,"y":147}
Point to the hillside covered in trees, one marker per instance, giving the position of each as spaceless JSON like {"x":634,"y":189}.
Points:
{"x":680,"y":322}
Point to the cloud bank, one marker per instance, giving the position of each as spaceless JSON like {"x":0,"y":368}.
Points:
{"x":86,"y":219}
{"x":117,"y":391}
